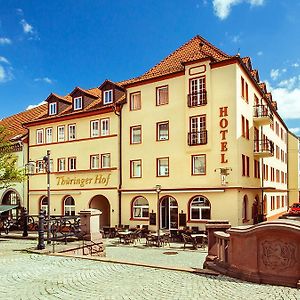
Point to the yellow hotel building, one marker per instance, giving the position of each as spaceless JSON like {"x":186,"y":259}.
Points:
{"x":197,"y":137}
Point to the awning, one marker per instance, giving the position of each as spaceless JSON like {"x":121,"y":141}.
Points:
{"x":4,"y":208}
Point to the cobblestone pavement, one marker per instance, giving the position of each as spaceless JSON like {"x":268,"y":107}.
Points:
{"x":139,"y":253}
{"x":33,"y":276}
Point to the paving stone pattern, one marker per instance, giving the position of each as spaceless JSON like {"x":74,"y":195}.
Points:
{"x":33,"y":276}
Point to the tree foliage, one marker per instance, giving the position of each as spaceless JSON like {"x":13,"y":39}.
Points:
{"x":9,"y":171}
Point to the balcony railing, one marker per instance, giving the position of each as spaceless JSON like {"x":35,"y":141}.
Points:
{"x":197,"y":138}
{"x":197,"y":99}
{"x":262,"y":114}
{"x":263,"y":148}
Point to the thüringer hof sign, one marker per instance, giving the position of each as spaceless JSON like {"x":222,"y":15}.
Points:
{"x":98,"y":179}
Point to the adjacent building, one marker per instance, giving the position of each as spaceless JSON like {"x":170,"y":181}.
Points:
{"x":17,"y":193}
{"x":196,"y":137}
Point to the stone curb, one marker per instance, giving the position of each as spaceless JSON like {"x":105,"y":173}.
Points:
{"x":116,"y":261}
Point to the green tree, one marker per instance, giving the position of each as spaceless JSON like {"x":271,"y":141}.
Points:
{"x":9,"y":171}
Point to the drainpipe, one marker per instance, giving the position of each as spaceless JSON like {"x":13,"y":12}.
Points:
{"x":27,"y":181}
{"x":119,"y":114}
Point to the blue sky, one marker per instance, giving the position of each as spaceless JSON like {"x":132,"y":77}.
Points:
{"x":53,"y":46}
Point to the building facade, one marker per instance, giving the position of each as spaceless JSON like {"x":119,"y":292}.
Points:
{"x":293,"y":168}
{"x":81,"y":131}
{"x":17,"y":135}
{"x":196,"y":137}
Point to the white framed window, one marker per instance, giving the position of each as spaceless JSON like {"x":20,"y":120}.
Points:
{"x":69,"y":206}
{"x":199,"y":164}
{"x":95,"y":128}
{"x":162,"y":95}
{"x":136,"y":134}
{"x":77,"y":103}
{"x":108,"y":97}
{"x":61,"y":164}
{"x":49,"y":135}
{"x":40,"y":167}
{"x":199,"y":208}
{"x":105,"y":160}
{"x":162,"y":131}
{"x":104,"y":125}
{"x":52,"y":108}
{"x":61,"y":133}
{"x":40,"y":136}
{"x":72,"y":132}
{"x":94,"y":161}
{"x":135,"y":101}
{"x":72,"y":163}
{"x":44,"y":205}
{"x":162,"y":166}
{"x":136,"y":168}
{"x":51,"y":165}
{"x":140,"y":208}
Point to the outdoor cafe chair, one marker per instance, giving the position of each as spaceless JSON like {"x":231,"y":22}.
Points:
{"x":187,"y":239}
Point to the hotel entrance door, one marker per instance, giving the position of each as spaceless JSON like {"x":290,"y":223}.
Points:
{"x":169,"y":213}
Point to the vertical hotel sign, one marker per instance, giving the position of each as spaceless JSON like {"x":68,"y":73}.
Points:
{"x":223,"y":123}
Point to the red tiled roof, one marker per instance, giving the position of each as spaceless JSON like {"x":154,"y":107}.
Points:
{"x":13,"y":124}
{"x":247,"y":61}
{"x":62,"y":98}
{"x":95,"y":92}
{"x":255,"y":75}
{"x":195,"y":49}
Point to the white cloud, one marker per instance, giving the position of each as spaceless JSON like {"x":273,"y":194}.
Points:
{"x":34,"y":105}
{"x":260,"y":53}
{"x":295,"y":65}
{"x":222,"y":8}
{"x":295,"y":130}
{"x":5,"y":41}
{"x":27,"y":28}
{"x":3,"y":60}
{"x":5,"y":74}
{"x":236,"y":38}
{"x":20,"y":11}
{"x":44,"y":79}
{"x":288,"y":101}
{"x":288,"y":83}
{"x":275,"y":73}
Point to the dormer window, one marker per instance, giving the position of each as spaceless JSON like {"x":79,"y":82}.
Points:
{"x":77,"y":103}
{"x":108,"y":97}
{"x":52,"y":108}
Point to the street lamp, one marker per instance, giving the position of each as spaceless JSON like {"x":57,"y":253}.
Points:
{"x":158,"y":190}
{"x":46,"y":160}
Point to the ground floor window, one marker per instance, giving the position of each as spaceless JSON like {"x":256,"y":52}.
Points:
{"x":69,"y":206}
{"x":140,"y":208}
{"x":245,"y":208}
{"x":44,"y":205}
{"x":199,"y":208}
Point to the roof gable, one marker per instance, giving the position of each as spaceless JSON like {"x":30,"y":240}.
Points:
{"x":195,"y":49}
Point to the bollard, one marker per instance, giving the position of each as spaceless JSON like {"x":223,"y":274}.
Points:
{"x":41,"y":243}
{"x":24,"y":222}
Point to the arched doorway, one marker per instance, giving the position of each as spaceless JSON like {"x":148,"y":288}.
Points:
{"x":12,"y":197}
{"x":101,"y":202}
{"x":168,"y":213}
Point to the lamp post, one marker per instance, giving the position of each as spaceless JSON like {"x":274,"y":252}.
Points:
{"x":46,"y":160}
{"x":158,"y":190}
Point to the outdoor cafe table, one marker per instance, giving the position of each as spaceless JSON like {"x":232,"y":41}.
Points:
{"x":158,"y":237}
{"x":197,"y":237}
{"x":125,"y":236}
